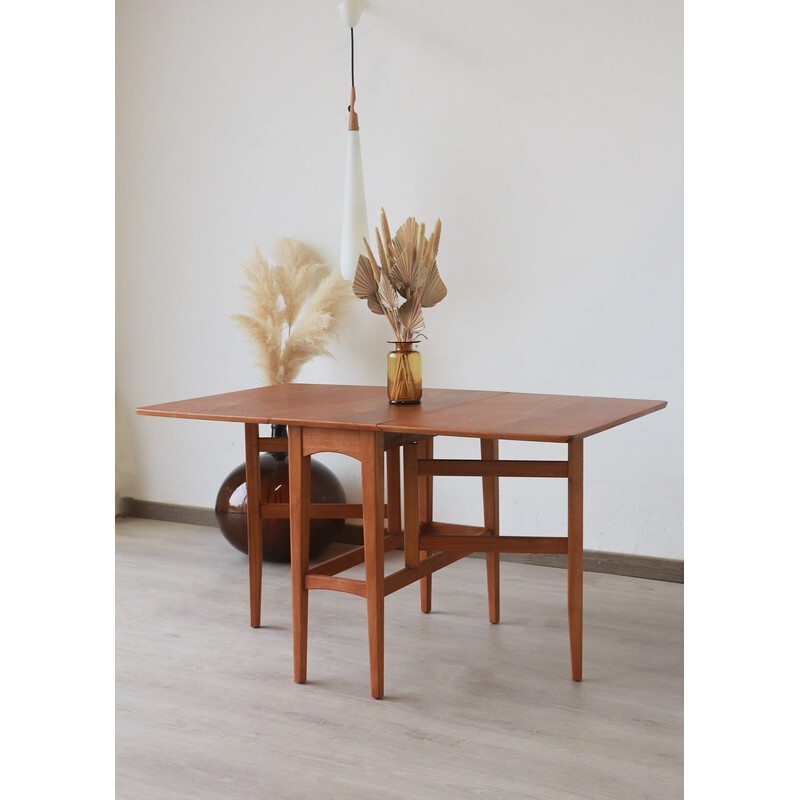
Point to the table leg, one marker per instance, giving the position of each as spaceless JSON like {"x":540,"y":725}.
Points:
{"x":299,"y":527}
{"x":491,"y":520}
{"x":393,"y":501}
{"x":425,"y":515}
{"x":411,"y":500}
{"x":372,"y":499}
{"x":575,"y":555}
{"x":254,"y":535}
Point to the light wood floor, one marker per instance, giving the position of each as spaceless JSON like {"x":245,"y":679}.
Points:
{"x":207,"y":709}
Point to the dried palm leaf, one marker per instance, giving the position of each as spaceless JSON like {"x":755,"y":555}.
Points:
{"x":434,"y":290}
{"x":365,"y":284}
{"x":407,"y":270}
{"x":433,"y":243}
{"x":387,"y":236}
{"x":410,"y":316}
{"x":421,"y":240}
{"x":404,"y":271}
{"x":381,"y":252}
{"x":376,"y":270}
{"x":387,"y":294}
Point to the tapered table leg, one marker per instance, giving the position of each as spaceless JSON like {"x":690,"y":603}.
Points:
{"x":393,"y":494}
{"x":575,"y":555}
{"x":411,"y":501}
{"x":425,"y":515}
{"x":491,"y":520}
{"x":254,"y":535}
{"x":372,"y":499}
{"x":299,"y":526}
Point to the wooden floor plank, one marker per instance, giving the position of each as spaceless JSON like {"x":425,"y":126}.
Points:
{"x":206,"y":705}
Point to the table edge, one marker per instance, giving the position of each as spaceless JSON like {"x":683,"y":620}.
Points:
{"x":393,"y":426}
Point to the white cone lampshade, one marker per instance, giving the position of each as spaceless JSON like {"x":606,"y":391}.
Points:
{"x":354,"y":219}
{"x":354,"y":222}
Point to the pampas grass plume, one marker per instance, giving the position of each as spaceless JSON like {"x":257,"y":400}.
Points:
{"x":295,"y":307}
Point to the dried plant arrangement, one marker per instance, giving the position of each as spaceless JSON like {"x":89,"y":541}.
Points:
{"x":404,"y":278}
{"x":295,"y":307}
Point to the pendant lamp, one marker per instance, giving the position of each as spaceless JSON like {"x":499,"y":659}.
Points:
{"x":354,"y":223}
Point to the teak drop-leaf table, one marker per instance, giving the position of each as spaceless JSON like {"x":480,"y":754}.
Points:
{"x":358,"y":421}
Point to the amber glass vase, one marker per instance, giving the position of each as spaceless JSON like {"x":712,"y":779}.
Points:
{"x":404,"y":373}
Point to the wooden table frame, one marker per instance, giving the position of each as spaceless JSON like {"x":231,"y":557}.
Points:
{"x":357,"y":422}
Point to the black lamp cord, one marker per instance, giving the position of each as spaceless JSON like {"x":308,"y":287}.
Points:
{"x":352,"y":61}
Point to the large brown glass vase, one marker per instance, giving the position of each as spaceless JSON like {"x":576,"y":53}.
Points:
{"x":231,"y":506}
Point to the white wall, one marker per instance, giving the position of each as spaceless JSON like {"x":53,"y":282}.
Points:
{"x":546,"y":135}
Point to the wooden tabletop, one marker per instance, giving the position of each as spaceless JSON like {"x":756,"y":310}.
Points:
{"x":442,"y":412}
